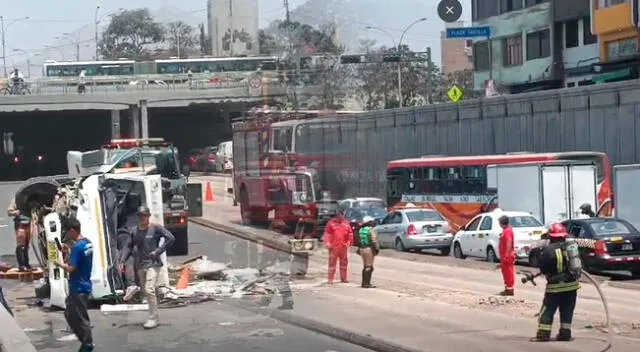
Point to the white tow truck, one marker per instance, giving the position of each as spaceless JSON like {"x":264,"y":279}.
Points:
{"x":626,"y":183}
{"x":103,"y":202}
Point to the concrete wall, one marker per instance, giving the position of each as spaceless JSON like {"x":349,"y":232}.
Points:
{"x":597,"y":118}
{"x":527,"y":20}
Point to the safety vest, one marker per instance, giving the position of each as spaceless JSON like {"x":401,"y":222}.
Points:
{"x":364,"y":236}
{"x":567,"y":283}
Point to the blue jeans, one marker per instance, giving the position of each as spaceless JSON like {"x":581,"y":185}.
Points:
{"x":4,"y":302}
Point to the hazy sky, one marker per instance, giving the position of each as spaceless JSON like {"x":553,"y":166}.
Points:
{"x":50,"y":19}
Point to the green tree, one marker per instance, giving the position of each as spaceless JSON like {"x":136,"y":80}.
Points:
{"x":204,"y":41}
{"x":180,"y":37}
{"x":129,"y":34}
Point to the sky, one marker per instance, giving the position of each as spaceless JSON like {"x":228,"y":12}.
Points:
{"x":50,"y":20}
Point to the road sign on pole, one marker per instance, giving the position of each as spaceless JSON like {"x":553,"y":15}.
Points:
{"x":468,"y":32}
{"x":455,"y":93}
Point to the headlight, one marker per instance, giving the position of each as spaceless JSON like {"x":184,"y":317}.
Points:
{"x":304,"y":197}
{"x":308,"y":246}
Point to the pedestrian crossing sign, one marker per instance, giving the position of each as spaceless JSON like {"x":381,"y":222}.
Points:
{"x":455,"y":94}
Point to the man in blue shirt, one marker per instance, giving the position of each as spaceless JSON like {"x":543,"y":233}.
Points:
{"x":79,"y":269}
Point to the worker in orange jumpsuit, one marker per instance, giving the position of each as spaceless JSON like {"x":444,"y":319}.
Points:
{"x":507,"y":256}
{"x":338,"y":238}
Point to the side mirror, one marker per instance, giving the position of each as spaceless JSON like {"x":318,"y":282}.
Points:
{"x":186,"y":171}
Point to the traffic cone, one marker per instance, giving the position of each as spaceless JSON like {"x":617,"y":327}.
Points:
{"x":183,"y":282}
{"x":208,"y":194}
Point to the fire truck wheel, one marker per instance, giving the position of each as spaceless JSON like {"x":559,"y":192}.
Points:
{"x":245,"y":211}
{"x":181,"y":244}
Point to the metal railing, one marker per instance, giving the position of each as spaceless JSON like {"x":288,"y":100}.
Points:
{"x":172,"y":82}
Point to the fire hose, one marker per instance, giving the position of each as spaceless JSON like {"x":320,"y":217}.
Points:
{"x":530,"y":277}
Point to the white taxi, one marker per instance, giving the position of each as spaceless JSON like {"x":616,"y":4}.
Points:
{"x":481,"y":236}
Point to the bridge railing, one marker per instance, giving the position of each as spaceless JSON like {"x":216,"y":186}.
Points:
{"x":158,"y":82}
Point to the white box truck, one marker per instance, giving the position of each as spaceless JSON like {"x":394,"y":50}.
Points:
{"x":551,"y":191}
{"x":626,"y":188}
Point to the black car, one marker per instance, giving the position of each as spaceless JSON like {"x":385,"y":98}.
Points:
{"x":606,"y":244}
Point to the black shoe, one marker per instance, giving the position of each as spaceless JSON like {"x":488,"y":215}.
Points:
{"x":368,"y":286}
{"x":22,"y":269}
{"x":541,"y":336}
{"x":86,"y":348}
{"x":564,"y":335}
{"x":286,"y":306}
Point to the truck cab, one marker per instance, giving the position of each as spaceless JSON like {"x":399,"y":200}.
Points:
{"x":151,"y":156}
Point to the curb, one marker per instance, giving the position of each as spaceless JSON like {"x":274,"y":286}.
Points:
{"x":13,"y":338}
{"x":364,"y":340}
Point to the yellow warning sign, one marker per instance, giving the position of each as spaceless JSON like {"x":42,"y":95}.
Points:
{"x":455,"y":94}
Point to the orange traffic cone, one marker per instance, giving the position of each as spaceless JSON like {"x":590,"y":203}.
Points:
{"x":208,"y":194}
{"x":183,"y":282}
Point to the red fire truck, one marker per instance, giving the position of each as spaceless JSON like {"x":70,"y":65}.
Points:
{"x":273,"y":181}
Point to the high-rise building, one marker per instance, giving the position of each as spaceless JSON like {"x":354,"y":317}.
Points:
{"x":456,"y":54}
{"x":233,"y":26}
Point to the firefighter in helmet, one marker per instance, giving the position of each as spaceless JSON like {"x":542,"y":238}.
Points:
{"x":561,"y":265}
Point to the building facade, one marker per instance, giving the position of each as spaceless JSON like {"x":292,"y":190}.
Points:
{"x":616,"y":24}
{"x":456,"y":54}
{"x":233,"y":26}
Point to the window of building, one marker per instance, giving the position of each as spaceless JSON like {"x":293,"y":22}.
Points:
{"x":481,"y":58}
{"x":538,"y":45}
{"x":481,"y":9}
{"x":468,"y":43}
{"x":622,"y":48}
{"x":608,"y":3}
{"x":510,"y":5}
{"x":512,"y":51}
{"x":588,"y":37}
{"x":571,"y":34}
{"x":529,"y":3}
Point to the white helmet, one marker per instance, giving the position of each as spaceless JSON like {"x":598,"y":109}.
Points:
{"x":367,"y":219}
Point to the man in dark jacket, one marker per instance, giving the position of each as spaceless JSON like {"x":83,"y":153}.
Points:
{"x":147,"y":242}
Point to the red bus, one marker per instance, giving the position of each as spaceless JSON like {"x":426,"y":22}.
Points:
{"x":457,"y":186}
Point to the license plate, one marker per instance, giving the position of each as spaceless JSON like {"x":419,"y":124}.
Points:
{"x":627,"y":247}
{"x":52,"y":252}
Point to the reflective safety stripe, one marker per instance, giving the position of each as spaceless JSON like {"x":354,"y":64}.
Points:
{"x":559,"y":260}
{"x":565,"y":326}
{"x":563,"y":287}
{"x":544,"y":327}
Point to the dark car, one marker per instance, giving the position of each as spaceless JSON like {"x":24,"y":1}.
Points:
{"x":606,"y":244}
{"x":355,"y":216}
{"x":206,"y":160}
{"x":23,"y":165}
{"x":192,"y":158}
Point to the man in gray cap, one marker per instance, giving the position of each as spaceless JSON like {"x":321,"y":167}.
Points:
{"x":146,"y":242}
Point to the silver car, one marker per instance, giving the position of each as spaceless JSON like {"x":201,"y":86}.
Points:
{"x":415,"y":229}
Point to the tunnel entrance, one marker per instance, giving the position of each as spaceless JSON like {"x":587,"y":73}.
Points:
{"x":36,"y":143}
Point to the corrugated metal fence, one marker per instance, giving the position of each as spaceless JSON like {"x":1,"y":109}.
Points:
{"x":599,"y":118}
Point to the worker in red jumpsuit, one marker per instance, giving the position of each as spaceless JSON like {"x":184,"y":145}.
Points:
{"x":507,"y":257}
{"x":338,"y":238}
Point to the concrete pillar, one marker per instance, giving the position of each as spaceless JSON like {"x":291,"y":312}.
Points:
{"x":115,"y":124}
{"x":134,"y":121}
{"x":144,"y":119}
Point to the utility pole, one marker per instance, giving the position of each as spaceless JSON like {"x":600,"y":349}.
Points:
{"x":429,"y":68}
{"x":4,"y":47}
{"x":286,"y":7}
{"x":232,"y":37}
{"x":96,"y":23}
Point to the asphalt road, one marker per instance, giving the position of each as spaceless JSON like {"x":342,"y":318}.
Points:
{"x":223,"y":326}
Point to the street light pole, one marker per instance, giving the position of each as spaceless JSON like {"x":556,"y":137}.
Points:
{"x":3,"y":29}
{"x":96,"y":23}
{"x":400,"y":102}
{"x":399,"y":44}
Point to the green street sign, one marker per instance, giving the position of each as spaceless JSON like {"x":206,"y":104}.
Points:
{"x":455,"y":94}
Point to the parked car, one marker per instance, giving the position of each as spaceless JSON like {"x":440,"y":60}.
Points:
{"x":224,"y":157}
{"x":356,"y":215}
{"x":206,"y":160}
{"x":606,"y":244}
{"x":481,"y":236}
{"x":192,"y":159}
{"x":361,"y":202}
{"x":415,"y":229}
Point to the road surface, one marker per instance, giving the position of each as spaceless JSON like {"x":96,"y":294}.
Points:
{"x":218,"y":326}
